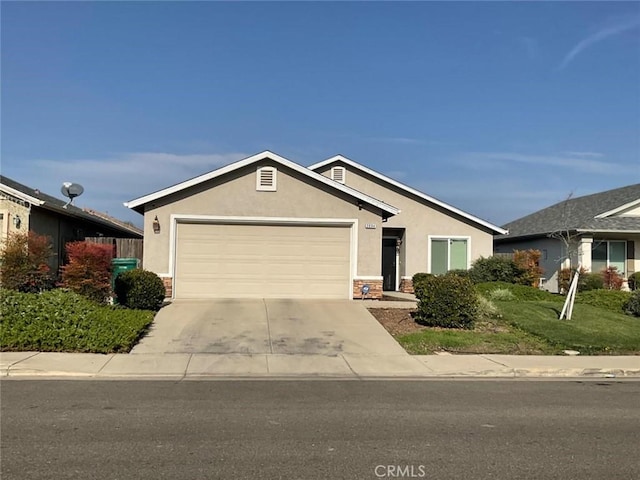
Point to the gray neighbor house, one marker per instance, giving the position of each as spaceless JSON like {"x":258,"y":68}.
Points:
{"x":604,"y":229}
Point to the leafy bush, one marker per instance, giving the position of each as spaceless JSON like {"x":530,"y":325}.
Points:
{"x":565,"y":276}
{"x":528,"y":261}
{"x":634,"y":281}
{"x":446,"y":301}
{"x":140,"y":289}
{"x":63,"y":321}
{"x":518,"y":292}
{"x":612,"y":300}
{"x":501,"y":295}
{"x":590,"y":281}
{"x":459,"y":273}
{"x":612,"y":279}
{"x":495,"y":269}
{"x":632,"y":306}
{"x":88,"y":272}
{"x":24,"y":263}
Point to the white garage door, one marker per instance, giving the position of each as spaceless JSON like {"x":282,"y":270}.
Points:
{"x":262,"y":261}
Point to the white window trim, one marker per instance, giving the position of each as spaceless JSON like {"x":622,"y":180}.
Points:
{"x":213,"y":219}
{"x":267,"y":188}
{"x":448,"y":237}
{"x":599,"y":242}
{"x":344,"y":174}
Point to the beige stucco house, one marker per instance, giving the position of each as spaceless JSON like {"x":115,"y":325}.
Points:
{"x":268,"y":227}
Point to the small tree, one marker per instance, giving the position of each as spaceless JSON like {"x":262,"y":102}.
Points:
{"x":528,"y":261}
{"x":24,"y":263}
{"x":89,"y":270}
{"x":612,"y":279}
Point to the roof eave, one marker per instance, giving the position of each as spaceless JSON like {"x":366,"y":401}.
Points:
{"x":411,"y":190}
{"x":22,"y":196}
{"x":138,"y":203}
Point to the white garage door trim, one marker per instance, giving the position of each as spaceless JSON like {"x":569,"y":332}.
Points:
{"x":232,"y":220}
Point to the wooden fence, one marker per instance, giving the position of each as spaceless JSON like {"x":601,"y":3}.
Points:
{"x":124,"y":247}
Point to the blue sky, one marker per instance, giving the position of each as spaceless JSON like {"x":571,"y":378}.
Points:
{"x":497,"y":108}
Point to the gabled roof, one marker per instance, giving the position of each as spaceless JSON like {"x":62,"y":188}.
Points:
{"x":412,"y":191}
{"x":38,"y":199}
{"x":138,"y":203}
{"x":590,"y":213}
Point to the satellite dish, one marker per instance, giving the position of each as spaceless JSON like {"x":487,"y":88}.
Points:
{"x":71,"y":191}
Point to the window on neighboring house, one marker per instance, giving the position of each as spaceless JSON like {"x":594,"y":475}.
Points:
{"x":448,"y":254}
{"x":338,"y":174}
{"x":266,"y":179}
{"x":608,"y":253}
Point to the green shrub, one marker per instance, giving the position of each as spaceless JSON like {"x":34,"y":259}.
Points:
{"x":446,"y":301}
{"x":459,"y":273}
{"x":88,"y":271}
{"x":495,"y":269}
{"x":634,"y":281}
{"x":63,"y":321}
{"x":519,"y":292}
{"x":612,"y":300}
{"x":590,"y":281}
{"x":140,"y":289}
{"x":501,"y":295}
{"x":632,"y":305}
{"x":24,"y":263}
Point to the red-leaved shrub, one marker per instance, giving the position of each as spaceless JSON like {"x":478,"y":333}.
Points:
{"x":23,"y":263}
{"x":529,"y":262}
{"x":612,"y":279}
{"x":89,"y":270}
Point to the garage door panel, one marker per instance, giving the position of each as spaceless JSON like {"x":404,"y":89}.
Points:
{"x":284,"y":261}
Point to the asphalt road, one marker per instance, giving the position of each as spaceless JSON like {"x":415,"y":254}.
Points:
{"x":320,"y":429}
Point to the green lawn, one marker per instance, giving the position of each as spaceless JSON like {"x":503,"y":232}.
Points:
{"x":533,"y":328}
{"x":592,"y":330}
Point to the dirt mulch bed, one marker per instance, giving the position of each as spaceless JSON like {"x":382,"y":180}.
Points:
{"x":397,"y":321}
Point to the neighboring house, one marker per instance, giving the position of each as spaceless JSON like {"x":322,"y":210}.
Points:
{"x":23,"y":208}
{"x":604,"y":229}
{"x":268,"y":227}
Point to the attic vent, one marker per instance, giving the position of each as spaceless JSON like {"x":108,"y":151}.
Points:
{"x":266,"y":179}
{"x":338,"y":174}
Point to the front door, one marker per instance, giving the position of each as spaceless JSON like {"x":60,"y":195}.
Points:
{"x":389,"y":264}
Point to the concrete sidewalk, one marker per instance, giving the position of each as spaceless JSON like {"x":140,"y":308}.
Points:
{"x":178,"y":366}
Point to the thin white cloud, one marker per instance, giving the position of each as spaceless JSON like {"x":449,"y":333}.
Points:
{"x":623,"y":26}
{"x":584,"y":154}
{"x":584,"y":164}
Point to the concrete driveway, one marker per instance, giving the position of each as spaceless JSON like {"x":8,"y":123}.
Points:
{"x":267,"y":326}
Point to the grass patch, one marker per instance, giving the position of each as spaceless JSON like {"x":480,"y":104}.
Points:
{"x":591,"y":331}
{"x":62,"y":321}
{"x":510,"y":341}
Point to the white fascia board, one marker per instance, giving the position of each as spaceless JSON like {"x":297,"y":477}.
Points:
{"x":22,"y":196}
{"x":248,"y":161}
{"x":619,"y":209}
{"x":595,"y":231}
{"x":408,"y":189}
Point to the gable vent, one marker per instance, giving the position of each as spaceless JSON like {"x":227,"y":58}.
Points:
{"x":266,"y":179}
{"x":338,"y":174}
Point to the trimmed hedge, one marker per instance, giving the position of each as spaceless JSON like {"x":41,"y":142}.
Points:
{"x":140,"y":289}
{"x":446,"y":301}
{"x":496,"y":269}
{"x":519,"y":292}
{"x":64,"y":321}
{"x":612,"y":300}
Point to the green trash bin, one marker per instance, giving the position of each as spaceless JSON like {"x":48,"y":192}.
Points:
{"x":119,"y":265}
